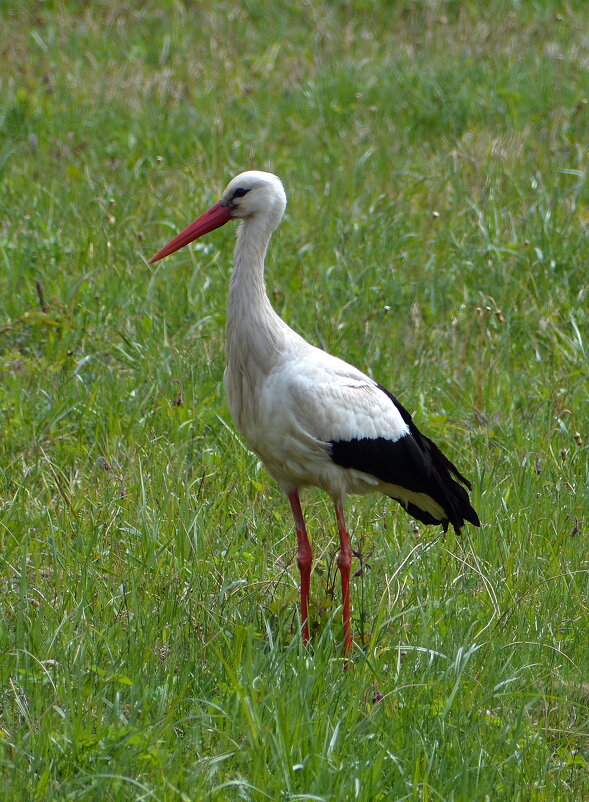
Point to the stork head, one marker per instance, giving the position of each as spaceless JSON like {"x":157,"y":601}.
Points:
{"x":254,"y":192}
{"x":250,"y":195}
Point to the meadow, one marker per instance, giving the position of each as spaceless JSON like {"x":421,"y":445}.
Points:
{"x":435,"y":156}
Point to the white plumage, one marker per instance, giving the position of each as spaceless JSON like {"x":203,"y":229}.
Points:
{"x":313,"y":419}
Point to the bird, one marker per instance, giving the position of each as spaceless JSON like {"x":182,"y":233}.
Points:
{"x":313,"y":419}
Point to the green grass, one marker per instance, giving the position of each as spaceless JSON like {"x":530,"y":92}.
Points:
{"x":435,"y":155}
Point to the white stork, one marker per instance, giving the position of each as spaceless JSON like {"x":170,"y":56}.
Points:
{"x":313,"y":419}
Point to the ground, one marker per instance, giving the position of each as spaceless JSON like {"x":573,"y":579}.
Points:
{"x":435,"y":158}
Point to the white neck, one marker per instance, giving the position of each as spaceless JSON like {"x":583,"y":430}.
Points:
{"x":254,"y":330}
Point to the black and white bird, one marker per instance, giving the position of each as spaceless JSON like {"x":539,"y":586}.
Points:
{"x":313,"y":419}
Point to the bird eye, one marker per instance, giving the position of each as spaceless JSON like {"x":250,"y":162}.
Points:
{"x":240,"y":192}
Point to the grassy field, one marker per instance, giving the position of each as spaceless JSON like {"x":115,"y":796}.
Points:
{"x":435,"y":155}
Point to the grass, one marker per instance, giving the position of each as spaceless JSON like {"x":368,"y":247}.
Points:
{"x":435,"y":157}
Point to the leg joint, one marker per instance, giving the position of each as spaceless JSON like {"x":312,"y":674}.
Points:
{"x":304,"y":559}
{"x":344,"y":558}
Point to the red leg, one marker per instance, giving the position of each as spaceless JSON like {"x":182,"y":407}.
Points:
{"x":304,"y":560}
{"x":344,"y":560}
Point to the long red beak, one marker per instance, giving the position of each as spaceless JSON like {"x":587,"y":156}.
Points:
{"x":215,"y":217}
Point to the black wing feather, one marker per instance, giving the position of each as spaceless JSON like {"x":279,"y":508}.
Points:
{"x":416,"y":463}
